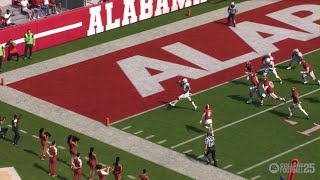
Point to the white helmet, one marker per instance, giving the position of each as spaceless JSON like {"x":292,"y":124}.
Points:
{"x":296,"y":50}
{"x":269,"y":54}
{"x":268,"y":60}
{"x":232,"y":3}
{"x":185,"y":80}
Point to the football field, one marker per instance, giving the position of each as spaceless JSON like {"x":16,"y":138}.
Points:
{"x":133,"y":82}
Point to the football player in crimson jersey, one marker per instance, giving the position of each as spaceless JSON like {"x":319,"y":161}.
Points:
{"x":269,"y":88}
{"x":296,"y":56}
{"x":308,"y":71}
{"x":186,"y":93}
{"x":296,"y":103}
{"x":206,"y":119}
{"x":255,"y":86}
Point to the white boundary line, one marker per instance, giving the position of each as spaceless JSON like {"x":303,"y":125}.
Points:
{"x":160,"y":142}
{"x":61,"y":147}
{"x":200,"y":92}
{"x":241,"y":120}
{"x":25,"y":132}
{"x":226,"y":167}
{"x":256,"y":177}
{"x":201,"y":156}
{"x":187,"y":151}
{"x":151,"y":136}
{"x":131,"y":177}
{"x":126,"y":128}
{"x":279,"y":155}
{"x":138,"y":132}
{"x":35,"y":136}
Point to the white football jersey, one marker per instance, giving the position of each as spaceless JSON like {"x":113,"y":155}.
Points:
{"x":186,"y":88}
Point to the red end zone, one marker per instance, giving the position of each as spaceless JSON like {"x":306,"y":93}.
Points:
{"x":99,"y":88}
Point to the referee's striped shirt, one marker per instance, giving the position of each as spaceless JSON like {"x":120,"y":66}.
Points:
{"x":209,"y":141}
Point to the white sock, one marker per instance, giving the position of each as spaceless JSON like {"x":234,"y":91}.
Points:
{"x":290,"y":112}
{"x":174,"y":102}
{"x":193,"y":104}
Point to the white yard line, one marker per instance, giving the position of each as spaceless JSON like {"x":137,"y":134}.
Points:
{"x":126,"y":128}
{"x":151,"y":136}
{"x":187,"y":151}
{"x":240,"y":120}
{"x":131,"y":177}
{"x":256,"y":177}
{"x":201,"y":156}
{"x":9,"y":125}
{"x":160,"y":142}
{"x":226,"y":167}
{"x":23,"y":131}
{"x":61,"y":147}
{"x":37,"y":137}
{"x":138,"y":132}
{"x":279,"y":155}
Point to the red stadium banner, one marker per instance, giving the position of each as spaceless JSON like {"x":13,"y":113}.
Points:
{"x":90,"y":20}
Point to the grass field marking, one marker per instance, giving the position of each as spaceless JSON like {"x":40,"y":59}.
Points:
{"x":187,"y":151}
{"x":279,"y":155}
{"x":131,"y":177}
{"x":101,"y":164}
{"x":256,"y":177}
{"x":34,"y":136}
{"x":160,"y":142}
{"x":86,"y":158}
{"x":226,"y":167}
{"x":241,"y":120}
{"x":126,"y":128}
{"x":151,"y":136}
{"x":9,"y":125}
{"x":200,"y":156}
{"x":49,"y":142}
{"x":199,"y":92}
{"x":138,"y":132}
{"x":25,"y":132}
{"x":61,"y":147}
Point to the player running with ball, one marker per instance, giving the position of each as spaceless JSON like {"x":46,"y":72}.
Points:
{"x":269,"y":88}
{"x":206,"y":119}
{"x":186,"y":93}
{"x":296,"y":103}
{"x":252,"y":76}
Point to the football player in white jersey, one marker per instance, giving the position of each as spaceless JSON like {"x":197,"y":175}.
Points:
{"x":269,"y":67}
{"x":186,"y":93}
{"x":296,"y":56}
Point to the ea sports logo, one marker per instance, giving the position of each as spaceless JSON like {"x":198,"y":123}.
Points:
{"x":274,"y":168}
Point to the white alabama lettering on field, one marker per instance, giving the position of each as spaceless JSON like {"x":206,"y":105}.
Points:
{"x":147,"y":85}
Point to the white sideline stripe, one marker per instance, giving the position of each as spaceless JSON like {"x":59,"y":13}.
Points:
{"x":256,"y":177}
{"x":279,"y":155}
{"x":9,"y":125}
{"x":51,"y":32}
{"x":160,"y":142}
{"x":137,"y":132}
{"x":201,"y":156}
{"x":151,"y":136}
{"x":241,"y":120}
{"x":35,"y":136}
{"x":23,"y":131}
{"x":61,"y":147}
{"x":187,"y":151}
{"x":226,"y":167}
{"x":126,"y":128}
{"x":131,"y":177}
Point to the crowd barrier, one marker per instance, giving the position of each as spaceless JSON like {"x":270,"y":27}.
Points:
{"x":90,"y":20}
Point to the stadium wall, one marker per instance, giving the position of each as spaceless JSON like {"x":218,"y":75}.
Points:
{"x":91,"y":20}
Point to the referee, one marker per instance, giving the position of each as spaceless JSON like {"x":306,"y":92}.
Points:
{"x":210,"y":148}
{"x":232,"y":10}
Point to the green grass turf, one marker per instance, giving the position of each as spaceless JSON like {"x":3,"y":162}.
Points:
{"x":25,"y":157}
{"x":117,"y":33}
{"x":248,"y":142}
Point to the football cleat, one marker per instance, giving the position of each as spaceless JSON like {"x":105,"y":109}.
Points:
{"x":283,"y":100}
{"x":195,"y":107}
{"x":319,"y":82}
{"x":171,"y":104}
{"x":288,"y":68}
{"x":305,"y":82}
{"x":249,"y":101}
{"x":289,"y":117}
{"x":261,"y":103}
{"x":200,"y":121}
